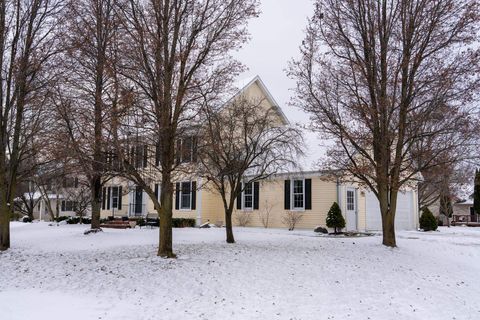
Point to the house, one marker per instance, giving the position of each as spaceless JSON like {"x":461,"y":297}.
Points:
{"x":309,"y":194}
{"x":463,"y":211}
{"x":68,"y":197}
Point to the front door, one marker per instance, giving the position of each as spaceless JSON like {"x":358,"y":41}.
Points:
{"x":138,"y":201}
{"x":351,"y":210}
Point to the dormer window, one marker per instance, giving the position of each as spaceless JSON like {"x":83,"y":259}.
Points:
{"x":186,"y":149}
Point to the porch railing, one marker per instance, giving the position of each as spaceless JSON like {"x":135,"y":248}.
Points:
{"x":466,"y":218}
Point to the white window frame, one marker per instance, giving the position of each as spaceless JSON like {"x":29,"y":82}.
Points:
{"x":159,"y":191}
{"x":180,"y":204}
{"x":118,"y":197}
{"x":352,"y":191}
{"x":292,"y":195}
{"x":244,"y":207}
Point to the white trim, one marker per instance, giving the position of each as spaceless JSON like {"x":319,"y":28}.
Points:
{"x":199,"y":200}
{"x":112,"y":208}
{"x":292,"y":202}
{"x":180,"y":194}
{"x":355,"y":207}
{"x":243,"y":197}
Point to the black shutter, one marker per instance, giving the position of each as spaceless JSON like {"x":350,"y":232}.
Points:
{"x":108,"y":197}
{"x":194,"y":149}
{"x":132,"y":155}
{"x":156,"y":191}
{"x":63,"y":205}
{"x":178,"y":154}
{"x":157,"y":154}
{"x":194,"y":195}
{"x":104,"y":197}
{"x":239,"y":198}
{"x":256,"y":194}
{"x":120,"y":198}
{"x":145,"y":156}
{"x":177,"y":196}
{"x":308,"y":194}
{"x":287,"y":195}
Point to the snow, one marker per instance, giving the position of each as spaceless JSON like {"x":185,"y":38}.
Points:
{"x":56,"y":272}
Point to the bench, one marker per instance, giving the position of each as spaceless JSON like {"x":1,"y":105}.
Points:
{"x":151,"y":220}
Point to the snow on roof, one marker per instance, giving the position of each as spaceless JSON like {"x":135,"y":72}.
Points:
{"x":37,"y":195}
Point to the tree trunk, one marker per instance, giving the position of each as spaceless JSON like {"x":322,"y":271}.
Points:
{"x":4,"y":221}
{"x":96,"y":189}
{"x":388,"y":226}
{"x":165,"y":247}
{"x":229,"y":228}
{"x":388,"y":202}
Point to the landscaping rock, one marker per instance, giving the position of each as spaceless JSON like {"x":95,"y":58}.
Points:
{"x":320,"y":230}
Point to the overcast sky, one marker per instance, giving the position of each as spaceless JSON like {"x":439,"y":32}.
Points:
{"x":275,"y":39}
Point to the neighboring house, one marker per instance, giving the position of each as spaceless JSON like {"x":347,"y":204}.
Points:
{"x":70,"y":197}
{"x":463,"y":211}
{"x":309,"y":193}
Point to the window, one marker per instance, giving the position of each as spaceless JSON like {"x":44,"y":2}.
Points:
{"x":70,"y":182}
{"x":248,"y":196}
{"x":139,"y":156}
{"x":186,"y":149}
{"x":68,"y":205}
{"x":115,"y":197}
{"x":298,"y":194}
{"x":350,"y":200}
{"x":185,"y":195}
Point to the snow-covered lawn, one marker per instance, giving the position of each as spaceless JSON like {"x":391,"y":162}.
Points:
{"x":59,"y":273}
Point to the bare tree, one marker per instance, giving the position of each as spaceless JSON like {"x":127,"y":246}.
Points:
{"x":27,"y":198}
{"x":81,"y":195}
{"x":174,"y":51}
{"x":28,"y":41}
{"x":377,"y":76}
{"x":244,"y":142}
{"x":88,"y":94}
{"x":264,"y":213}
{"x":291,"y":218}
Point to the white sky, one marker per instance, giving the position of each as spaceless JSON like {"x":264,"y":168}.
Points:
{"x":275,"y":39}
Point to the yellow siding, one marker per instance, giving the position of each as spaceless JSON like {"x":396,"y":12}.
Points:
{"x":212,"y":207}
{"x":324,"y":193}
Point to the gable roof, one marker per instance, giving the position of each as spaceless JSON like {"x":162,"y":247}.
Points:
{"x":244,"y":84}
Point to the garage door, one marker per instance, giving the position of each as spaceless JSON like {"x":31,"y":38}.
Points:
{"x":404,"y":218}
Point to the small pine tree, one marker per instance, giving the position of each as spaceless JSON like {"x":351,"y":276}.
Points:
{"x":428,"y":221}
{"x":476,"y":193}
{"x":335,"y":219}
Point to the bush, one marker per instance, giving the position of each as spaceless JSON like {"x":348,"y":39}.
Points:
{"x":86,"y":220}
{"x":73,"y":220}
{"x":26,"y":219}
{"x":139,"y":221}
{"x":183,"y":223}
{"x":61,"y":218}
{"x":16,"y":216}
{"x":335,"y":219}
{"x":440,"y":222}
{"x":243,"y":218}
{"x":291,"y":218}
{"x":428,"y":221}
